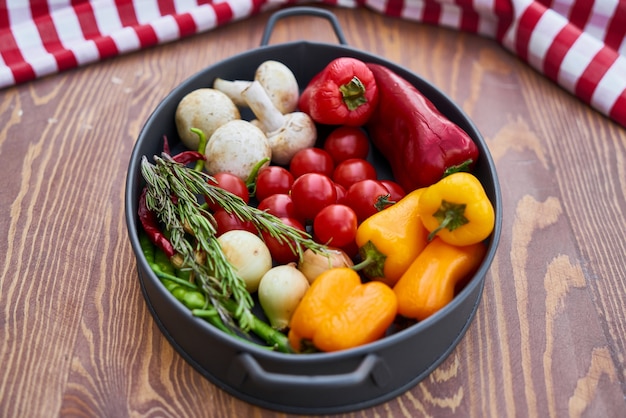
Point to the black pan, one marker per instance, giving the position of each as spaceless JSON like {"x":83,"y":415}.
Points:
{"x":324,"y":382}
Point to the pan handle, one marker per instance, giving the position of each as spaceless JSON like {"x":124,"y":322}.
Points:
{"x":303,"y":11}
{"x":371,"y":367}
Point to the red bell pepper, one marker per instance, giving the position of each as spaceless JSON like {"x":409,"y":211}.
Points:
{"x":343,"y":93}
{"x":420,"y":143}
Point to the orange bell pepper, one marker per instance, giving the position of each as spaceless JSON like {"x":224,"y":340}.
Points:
{"x":457,"y":210}
{"x":339,"y":312}
{"x":430,"y":282}
{"x":391,"y":239}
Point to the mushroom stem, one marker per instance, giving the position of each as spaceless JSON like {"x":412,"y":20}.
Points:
{"x":232,"y":89}
{"x":261,"y":105}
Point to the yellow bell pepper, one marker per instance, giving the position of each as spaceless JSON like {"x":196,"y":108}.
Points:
{"x":457,"y":209}
{"x":390,"y":240}
{"x":431,"y":281}
{"x":339,"y":312}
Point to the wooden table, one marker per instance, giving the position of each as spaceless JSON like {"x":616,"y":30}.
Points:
{"x":76,"y":338}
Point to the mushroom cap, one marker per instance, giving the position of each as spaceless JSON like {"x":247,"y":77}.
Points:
{"x":236,"y":147}
{"x":280,"y":83}
{"x":298,"y":132}
{"x":205,"y":109}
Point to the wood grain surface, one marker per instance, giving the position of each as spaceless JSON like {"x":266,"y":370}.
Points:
{"x":77,"y":340}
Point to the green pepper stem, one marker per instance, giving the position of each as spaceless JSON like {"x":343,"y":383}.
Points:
{"x":464,"y":166}
{"x":202,"y":141}
{"x":251,"y":180}
{"x":363,"y":264}
{"x":353,"y":93}
{"x":450,"y":215}
{"x":373,"y":264}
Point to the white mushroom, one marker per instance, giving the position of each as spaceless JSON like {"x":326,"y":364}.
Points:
{"x":276,"y":78}
{"x":236,"y":147}
{"x":287,"y":133}
{"x":205,"y":109}
{"x":233,"y":89}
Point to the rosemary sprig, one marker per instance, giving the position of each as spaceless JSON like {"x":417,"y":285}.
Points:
{"x":176,"y":206}
{"x":172,"y":193}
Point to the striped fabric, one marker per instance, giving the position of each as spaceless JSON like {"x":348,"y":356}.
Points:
{"x":578,"y":44}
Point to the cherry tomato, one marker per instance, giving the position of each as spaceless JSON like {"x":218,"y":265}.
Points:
{"x":280,"y":205}
{"x":282,"y":252}
{"x":311,"y":193}
{"x":311,"y":160}
{"x":352,"y":170}
{"x":231,"y":183}
{"x":396,"y":192}
{"x":347,"y":142}
{"x":228,"y":221}
{"x":271,"y":180}
{"x":335,"y":225}
{"x":365,"y":198}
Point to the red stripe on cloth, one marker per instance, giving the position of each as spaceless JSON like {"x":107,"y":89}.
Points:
{"x":126,"y":12}
{"x":557,"y":51}
{"x":616,"y":30}
{"x":503,"y":10}
{"x":526,"y":26}
{"x":167,"y":7}
{"x":89,"y":27}
{"x":431,"y":12}
{"x":394,"y":8}
{"x":469,"y":21}
{"x":618,"y":111}
{"x":257,"y":6}
{"x":223,"y":12}
{"x":469,"y":16}
{"x":146,"y":34}
{"x":22,"y":71}
{"x":579,"y":14}
{"x":186,"y":24}
{"x":48,"y":33}
{"x":107,"y":47}
{"x":594,"y":72}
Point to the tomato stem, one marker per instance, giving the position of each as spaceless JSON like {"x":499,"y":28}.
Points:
{"x":383,"y":201}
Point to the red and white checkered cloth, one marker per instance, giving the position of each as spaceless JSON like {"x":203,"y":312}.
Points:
{"x":579,"y":44}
